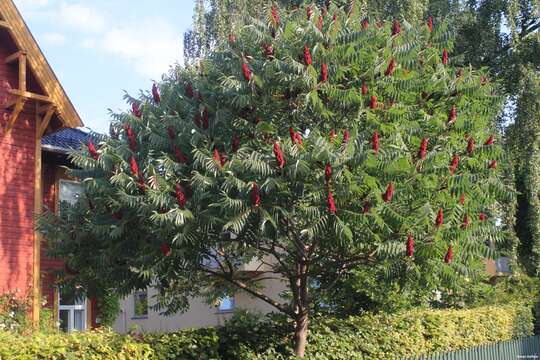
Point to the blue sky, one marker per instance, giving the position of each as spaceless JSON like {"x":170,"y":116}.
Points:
{"x":99,"y":48}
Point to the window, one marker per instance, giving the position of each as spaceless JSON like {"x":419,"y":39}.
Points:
{"x":71,"y":312}
{"x":140,"y":304}
{"x":226,"y":304}
{"x":70,"y":191}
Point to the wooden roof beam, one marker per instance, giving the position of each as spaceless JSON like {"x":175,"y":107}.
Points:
{"x":15,"y":114}
{"x":4,"y":24}
{"x":44,"y":123}
{"x":31,"y":96}
{"x":16,"y":56}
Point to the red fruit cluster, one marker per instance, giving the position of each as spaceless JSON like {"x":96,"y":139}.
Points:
{"x":136,"y":110}
{"x":493,"y":164}
{"x":410,"y":246}
{"x":232,"y":38}
{"x":328,"y":172}
{"x":180,"y":196}
{"x":219,"y":158}
{"x":171,"y":133}
{"x":189,"y":90}
{"x":307,"y":56}
{"x":279,"y":155}
{"x":320,"y":23}
{"x":462,"y":199}
{"x":470,"y":146}
{"x":365,"y":24}
{"x":246,"y":71}
{"x":364,"y":88}
{"x":449,"y":255}
{"x":423,"y":148}
{"x":134,"y":167}
{"x":375,"y":142}
{"x":391,"y":67}
{"x":324,"y":72}
{"x":255,"y":196}
{"x":165,"y":249}
{"x":430,"y":24}
{"x":346,"y":136}
{"x":309,"y":12}
{"x":296,"y":138}
{"x":373,"y":102}
{"x":275,"y":15}
{"x":440,"y":218}
{"x":452,"y":115}
{"x":454,"y":164}
{"x":389,"y":193}
{"x":331,"y":203}
{"x":332,"y":135}
{"x":444,"y":57}
{"x":268,"y":50}
{"x":396,"y":28}
{"x":465,"y":223}
{"x":155,"y":94}
{"x":365,"y":208}
{"x":180,"y":157}
{"x":92,"y":149}
{"x":490,"y":140}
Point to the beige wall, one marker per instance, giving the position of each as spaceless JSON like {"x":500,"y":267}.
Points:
{"x":198,"y":315}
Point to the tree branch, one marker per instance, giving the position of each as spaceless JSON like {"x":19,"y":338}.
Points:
{"x":281,"y":307}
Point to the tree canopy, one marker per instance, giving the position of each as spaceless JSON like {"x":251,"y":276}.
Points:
{"x":313,"y":142}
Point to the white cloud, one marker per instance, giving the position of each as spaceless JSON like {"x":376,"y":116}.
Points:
{"x":150,"y":46}
{"x":54,"y":38}
{"x":32,"y":3}
{"x":89,"y":43}
{"x":82,"y":17}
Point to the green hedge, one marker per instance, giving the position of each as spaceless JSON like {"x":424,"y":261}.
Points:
{"x":91,"y":345}
{"x":363,"y":337}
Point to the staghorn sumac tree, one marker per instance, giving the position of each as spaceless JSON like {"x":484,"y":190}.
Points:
{"x":314,"y":142}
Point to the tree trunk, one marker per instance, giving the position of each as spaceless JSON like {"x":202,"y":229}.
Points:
{"x":300,"y":334}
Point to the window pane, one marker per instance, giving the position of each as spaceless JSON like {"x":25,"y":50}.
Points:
{"x":63,"y":319}
{"x":140,"y":303}
{"x":70,"y":191}
{"x":227,"y":304}
{"x":79,"y":320}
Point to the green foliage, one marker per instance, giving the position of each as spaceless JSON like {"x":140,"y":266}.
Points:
{"x":200,"y":344}
{"x":142,"y":197}
{"x":246,"y":337}
{"x":109,"y":307}
{"x":90,"y":345}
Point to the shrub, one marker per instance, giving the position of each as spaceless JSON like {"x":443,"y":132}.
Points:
{"x":371,"y":336}
{"x":92,"y":345}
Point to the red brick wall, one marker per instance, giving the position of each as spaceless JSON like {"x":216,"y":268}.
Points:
{"x":16,"y":189}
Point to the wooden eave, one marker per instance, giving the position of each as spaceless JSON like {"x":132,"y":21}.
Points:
{"x":12,"y":21}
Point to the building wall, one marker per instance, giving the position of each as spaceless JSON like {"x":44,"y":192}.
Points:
{"x":198,"y":315}
{"x":17,"y":152}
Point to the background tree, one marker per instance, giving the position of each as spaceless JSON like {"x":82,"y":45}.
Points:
{"x":309,"y":143}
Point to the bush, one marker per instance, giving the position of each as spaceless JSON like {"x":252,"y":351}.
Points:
{"x":92,"y":345}
{"x":246,"y":337}
{"x":13,"y":311}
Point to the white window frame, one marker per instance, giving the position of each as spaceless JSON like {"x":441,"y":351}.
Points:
{"x":71,"y":313}
{"x":64,"y":181}
{"x":135,"y":294}
{"x":232,"y":301}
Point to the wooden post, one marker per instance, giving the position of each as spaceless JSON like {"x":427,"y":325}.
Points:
{"x":38,"y":208}
{"x":22,"y":72}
